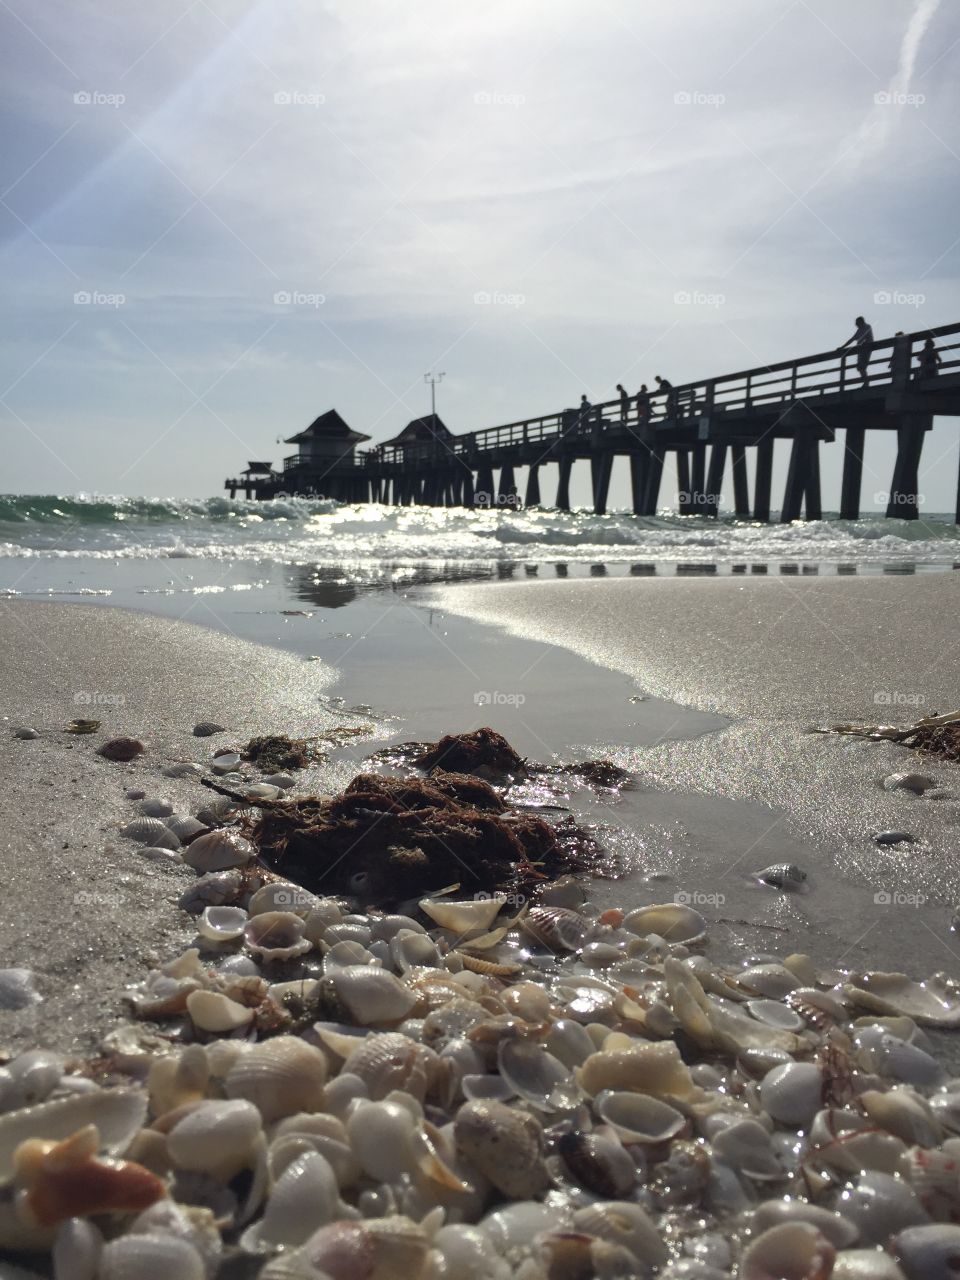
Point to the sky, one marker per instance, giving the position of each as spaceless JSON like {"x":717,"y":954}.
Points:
{"x":219,"y":218}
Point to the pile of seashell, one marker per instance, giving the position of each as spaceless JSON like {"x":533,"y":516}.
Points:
{"x":464,"y":1090}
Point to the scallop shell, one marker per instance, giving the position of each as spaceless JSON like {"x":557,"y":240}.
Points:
{"x":280,"y":896}
{"x":636,"y":1117}
{"x":280,"y":1077}
{"x":792,"y":1251}
{"x":304,"y":1197}
{"x":624,"y":1223}
{"x":216,"y":1013}
{"x":391,"y":1061}
{"x":222,"y":924}
{"x":555,"y":928}
{"x":674,"y":921}
{"x":218,"y":851}
{"x":145,"y":1257}
{"x":150,"y":831}
{"x":276,"y":936}
{"x":472,"y":915}
{"x":184,"y":827}
{"x":156,"y":808}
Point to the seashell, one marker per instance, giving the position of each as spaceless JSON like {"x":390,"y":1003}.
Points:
{"x":385,"y":928}
{"x":154,"y":854}
{"x":389,"y":1142}
{"x":902,"y":1113}
{"x":774,"y":981}
{"x":150,"y":831}
{"x":148,"y":1257}
{"x":537,"y":1076}
{"x":745,"y":1146}
{"x":475,"y":915}
{"x":624,"y":1223}
{"x":182,"y":769}
{"x":792,"y":1094}
{"x":834,"y":1226}
{"x":598,"y":1164}
{"x":77,"y":1247}
{"x":121,"y":749}
{"x":261,"y":791}
{"x":369,"y":997}
{"x":915,"y":782}
{"x":393,"y":1248}
{"x":280,"y":896}
{"x":304,"y":1197}
{"x":26,"y":733}
{"x":192,"y":1223}
{"x":639,"y":1118}
{"x":343,"y":955}
{"x":480,"y":1088}
{"x":18,"y":989}
{"x":222,"y":924}
{"x":783,"y":875}
{"x":156,"y":808}
{"x":207,"y":728}
{"x":31,"y":1078}
{"x":674,"y":921}
{"x":774,"y":1014}
{"x":467,"y":1252}
{"x":410,"y":950}
{"x":218,"y":851}
{"x":865,"y":1264}
{"x":275,"y":936}
{"x":184,"y":827}
{"x":555,"y":928}
{"x":570,"y":1043}
{"x":391,"y":1061}
{"x":66,"y":1179}
{"x":216,"y":1137}
{"x":935,"y":1002}
{"x":888,"y":1055}
{"x":217,"y":810}
{"x":216,"y":1013}
{"x":790,"y":1251}
{"x":879,"y":1205}
{"x":280,"y":1077}
{"x":654,"y":1068}
{"x":212,"y":890}
{"x":505,"y":1145}
{"x":935,"y":1178}
{"x":928,"y":1252}
{"x":225,"y":762}
{"x":117,"y":1114}
{"x":516,"y":1225}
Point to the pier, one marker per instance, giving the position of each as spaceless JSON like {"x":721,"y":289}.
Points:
{"x":706,"y":426}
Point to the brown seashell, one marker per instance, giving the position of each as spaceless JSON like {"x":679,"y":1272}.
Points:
{"x":505,"y":1145}
{"x":555,"y":928}
{"x":67,"y":1180}
{"x":488,"y":967}
{"x":122,"y":749}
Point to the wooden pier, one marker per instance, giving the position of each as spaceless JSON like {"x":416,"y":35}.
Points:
{"x":703,"y":424}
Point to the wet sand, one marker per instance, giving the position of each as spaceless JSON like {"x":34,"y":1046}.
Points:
{"x":81,"y":907}
{"x":777,"y":656}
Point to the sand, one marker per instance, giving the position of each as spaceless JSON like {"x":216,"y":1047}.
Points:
{"x":81,"y":907}
{"x":779,"y":655}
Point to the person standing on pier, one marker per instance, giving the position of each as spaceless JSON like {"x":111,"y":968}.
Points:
{"x":930,"y":360}
{"x":863,"y":340}
{"x":624,"y":402}
{"x":643,"y":405}
{"x":663,"y":384}
{"x":586,"y":410}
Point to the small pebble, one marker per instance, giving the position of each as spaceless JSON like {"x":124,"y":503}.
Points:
{"x":894,"y":837}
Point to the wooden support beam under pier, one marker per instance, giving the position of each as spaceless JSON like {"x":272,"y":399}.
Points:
{"x":638,"y":481}
{"x":565,"y":466}
{"x":741,"y":488}
{"x":850,"y":485}
{"x":601,"y":466}
{"x":762,"y":480}
{"x":654,"y":475}
{"x":711,"y":498}
{"x":683,"y":482}
{"x":904,"y":499}
{"x":532,"y":496}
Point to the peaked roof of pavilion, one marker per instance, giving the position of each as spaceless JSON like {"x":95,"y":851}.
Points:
{"x":331,"y":425}
{"x":430,"y":427}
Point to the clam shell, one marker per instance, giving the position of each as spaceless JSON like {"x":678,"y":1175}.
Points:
{"x":226,"y":762}
{"x":792,"y":1251}
{"x":392,"y":1061}
{"x":216,"y":1013}
{"x":505,"y":1145}
{"x":156,"y":808}
{"x":280,"y":1077}
{"x":674,"y":921}
{"x":371,"y":997}
{"x":642,"y":1066}
{"x":935,"y":1002}
{"x":183,"y":826}
{"x":472,"y":915}
{"x":636,"y":1117}
{"x":782,"y":875}
{"x":182,"y":769}
{"x":555,"y":928}
{"x":624,"y":1223}
{"x":791,"y":1094}
{"x":745,"y":1146}
{"x":18,"y":989}
{"x":216,"y":1136}
{"x":214,"y":890}
{"x":150,"y":831}
{"x":218,"y":851}
{"x":915,"y":782}
{"x":841,"y":1233}
{"x":275,"y":936}
{"x":144,"y":1257}
{"x":222,"y":924}
{"x":774,"y":1014}
{"x":207,"y":728}
{"x":304,"y":1197}
{"x":283,"y":897}
{"x":537,"y":1076}
{"x":117,"y":1114}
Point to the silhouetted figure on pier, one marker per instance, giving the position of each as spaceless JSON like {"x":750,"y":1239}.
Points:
{"x":586,"y":412}
{"x":643,"y":404}
{"x":624,"y":402}
{"x":664,"y":384}
{"x":930,"y":360}
{"x":863,"y":340}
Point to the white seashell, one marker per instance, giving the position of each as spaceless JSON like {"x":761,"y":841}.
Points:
{"x":372,"y":997}
{"x":935,"y":1178}
{"x":283,"y":897}
{"x":865,"y":1264}
{"x":77,"y":1247}
{"x":929,"y":1252}
{"x":642,"y":1066}
{"x":326,"y":1134}
{"x":386,"y":928}
{"x":537,"y":1076}
{"x":216,"y":1013}
{"x":225,"y":763}
{"x":745,"y":1146}
{"x":783,"y":875}
{"x":280,"y":1077}
{"x":156,"y":808}
{"x":480,"y":1088}
{"x":33,"y":1076}
{"x":569,"y":1042}
{"x":218,"y":851}
{"x":192,"y":1223}
{"x":391,"y":1061}
{"x":210,"y":891}
{"x":774,"y":981}
{"x":674,"y":921}
{"x":888,"y":1055}
{"x":150,"y":831}
{"x":183,"y":769}
{"x":304,"y":1197}
{"x":838,"y":1230}
{"x":282,"y":780}
{"x":915,"y":782}
{"x":474,"y":915}
{"x":774,"y":1014}
{"x":935,"y":1002}
{"x":141,"y":1257}
{"x":902,"y":1113}
{"x":468,"y":1253}
{"x":624,"y":1223}
{"x":791,"y":1251}
{"x":275,"y":936}
{"x":516,"y":1225}
{"x":791,"y":1094}
{"x":155,"y":854}
{"x":222,"y":924}
{"x":183,"y":826}
{"x":393,"y":1248}
{"x":638,"y":1118}
{"x":216,"y":1137}
{"x":880,"y":1206}
{"x":409,"y":950}
{"x":26,"y":733}
{"x":117,"y":1114}
{"x":218,"y":809}
{"x":343,"y":955}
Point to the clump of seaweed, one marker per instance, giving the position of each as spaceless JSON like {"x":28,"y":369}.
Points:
{"x":277,"y":751}
{"x":598,"y":773}
{"x":482,"y":751}
{"x":385,"y":839}
{"x":930,"y":736}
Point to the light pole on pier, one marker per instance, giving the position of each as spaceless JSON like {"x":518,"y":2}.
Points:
{"x":433,"y":379}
